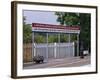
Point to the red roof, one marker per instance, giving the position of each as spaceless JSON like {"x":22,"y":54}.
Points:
{"x":55,"y":26}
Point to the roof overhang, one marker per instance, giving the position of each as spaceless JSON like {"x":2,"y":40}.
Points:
{"x":38,"y":27}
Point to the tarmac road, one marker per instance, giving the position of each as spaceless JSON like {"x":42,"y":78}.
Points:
{"x":65,"y":62}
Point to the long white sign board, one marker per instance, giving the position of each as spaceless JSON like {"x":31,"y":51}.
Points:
{"x":38,"y":27}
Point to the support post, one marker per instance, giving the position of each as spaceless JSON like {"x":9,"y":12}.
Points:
{"x":55,"y":50}
{"x":69,"y":43}
{"x":73,"y":46}
{"x":69,"y":37}
{"x":59,"y":38}
{"x":32,"y":44}
{"x":59,"y":45}
{"x":47,"y":46}
{"x":34,"y":49}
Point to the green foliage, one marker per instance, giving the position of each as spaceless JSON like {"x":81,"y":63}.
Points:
{"x":52,"y":38}
{"x":85,"y":35}
{"x":67,"y":18}
{"x":27,"y":33}
{"x":39,"y":38}
{"x":81,"y":19}
{"x":63,"y":38}
{"x":73,"y":37}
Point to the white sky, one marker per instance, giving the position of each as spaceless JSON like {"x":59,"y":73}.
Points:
{"x":40,"y":17}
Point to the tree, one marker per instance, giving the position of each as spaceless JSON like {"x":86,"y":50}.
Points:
{"x":39,"y":37}
{"x":81,"y":19}
{"x":67,"y":18}
{"x":63,"y":38}
{"x":52,"y":38}
{"x":27,"y":32}
{"x":85,"y":34}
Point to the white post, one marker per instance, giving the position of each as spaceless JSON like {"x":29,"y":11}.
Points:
{"x":32,"y":45}
{"x":55,"y":50}
{"x":34,"y":49}
{"x":73,"y":44}
{"x":47,"y":46}
{"x":59,"y":45}
{"x":69,"y":37}
{"x":69,"y":43}
{"x":59,"y":38}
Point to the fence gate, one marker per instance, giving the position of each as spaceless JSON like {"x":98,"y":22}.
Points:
{"x":54,"y":50}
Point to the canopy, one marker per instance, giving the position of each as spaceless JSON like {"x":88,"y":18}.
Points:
{"x":38,"y":27}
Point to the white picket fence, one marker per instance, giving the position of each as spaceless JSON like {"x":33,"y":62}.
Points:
{"x":54,"y":50}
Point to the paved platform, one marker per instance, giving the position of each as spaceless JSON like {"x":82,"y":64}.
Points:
{"x":65,"y":62}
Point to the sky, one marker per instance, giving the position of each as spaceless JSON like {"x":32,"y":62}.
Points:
{"x":40,"y":17}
